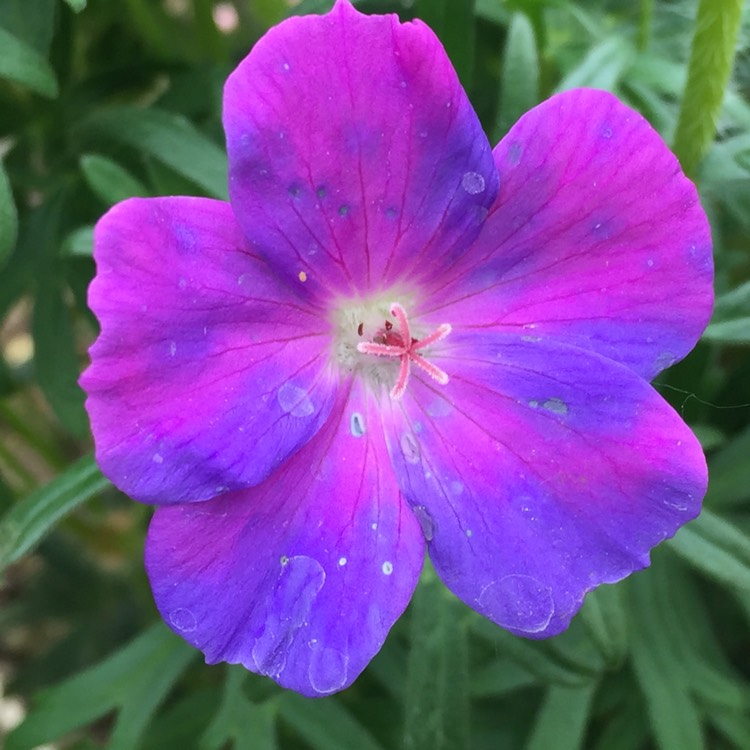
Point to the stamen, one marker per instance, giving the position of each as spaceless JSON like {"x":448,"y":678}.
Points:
{"x":401,"y":344}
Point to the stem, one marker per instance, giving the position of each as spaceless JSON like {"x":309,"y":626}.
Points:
{"x":711,"y":56}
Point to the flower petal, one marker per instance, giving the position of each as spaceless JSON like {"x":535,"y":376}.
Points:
{"x":542,"y":471}
{"x":354,"y":153}
{"x":208,"y":372}
{"x":596,"y":237}
{"x":301,"y":577}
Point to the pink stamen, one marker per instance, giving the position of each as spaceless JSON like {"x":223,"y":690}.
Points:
{"x":401,"y":344}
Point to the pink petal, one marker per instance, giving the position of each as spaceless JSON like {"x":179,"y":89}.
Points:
{"x":354,"y":154}
{"x":540,"y":472}
{"x":301,"y":577}
{"x":596,"y":237}
{"x":208,"y":372}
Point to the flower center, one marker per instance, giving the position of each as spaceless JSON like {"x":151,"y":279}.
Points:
{"x":381,"y":338}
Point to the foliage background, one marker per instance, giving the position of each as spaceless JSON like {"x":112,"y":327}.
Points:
{"x":112,"y":98}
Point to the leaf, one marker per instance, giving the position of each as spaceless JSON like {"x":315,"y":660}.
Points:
{"x":21,"y":63}
{"x":562,"y":720}
{"x":171,"y":139}
{"x":34,"y":516}
{"x":604,"y":616}
{"x":76,"y":5}
{"x":717,"y":548}
{"x":109,"y":180}
{"x":8,"y":217}
{"x":437,"y":676}
{"x":134,"y":680}
{"x":500,"y":677}
{"x":602,"y":67}
{"x":729,"y":473}
{"x":79,"y":243}
{"x":324,"y":723}
{"x":55,"y":358}
{"x":735,"y":331}
{"x":246,"y":725}
{"x":672,"y":713}
{"x":519,"y":86}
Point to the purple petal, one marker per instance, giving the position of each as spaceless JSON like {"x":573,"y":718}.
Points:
{"x":354,"y":154}
{"x":301,"y":577}
{"x":596,"y":237}
{"x":541,"y":471}
{"x":208,"y":373}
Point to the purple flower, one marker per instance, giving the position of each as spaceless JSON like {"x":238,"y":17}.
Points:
{"x":395,"y":338}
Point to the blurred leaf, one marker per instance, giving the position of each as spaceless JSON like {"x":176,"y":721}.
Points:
{"x":437,"y":677}
{"x":134,"y":680}
{"x":246,"y":725}
{"x":602,"y":67}
{"x":324,"y":723}
{"x":76,"y":5}
{"x":31,"y":21}
{"x":729,"y":331}
{"x":109,"y":180}
{"x":23,"y":64}
{"x":562,"y":720}
{"x":55,"y":359}
{"x":625,"y":729}
{"x":8,"y":217}
{"x":79,"y":243}
{"x":519,"y":86}
{"x":729,"y":473}
{"x":603,"y":614}
{"x":34,"y":516}
{"x":171,"y":139}
{"x":672,"y":713}
{"x":717,"y":548}
{"x":499,"y":677}
{"x":537,"y":657}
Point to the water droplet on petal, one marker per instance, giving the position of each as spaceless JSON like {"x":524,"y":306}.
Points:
{"x":410,"y":448}
{"x":387,"y":568}
{"x":556,"y":406}
{"x":295,"y":400}
{"x":425,"y":521}
{"x":357,"y":425}
{"x":183,"y":620}
{"x":473,"y":183}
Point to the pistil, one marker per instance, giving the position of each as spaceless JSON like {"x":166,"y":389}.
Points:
{"x":397,"y":341}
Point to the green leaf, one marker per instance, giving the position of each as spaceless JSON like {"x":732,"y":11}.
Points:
{"x":76,"y":5}
{"x":21,"y":63}
{"x":437,"y":676}
{"x":519,"y":90}
{"x":109,"y":181}
{"x":34,"y":516}
{"x":246,"y":725}
{"x":729,"y":473}
{"x":562,"y":720}
{"x":135,"y":680}
{"x":79,"y":243}
{"x":602,"y":67}
{"x":500,"y":677}
{"x":324,"y":723}
{"x":169,"y":138}
{"x":55,"y":358}
{"x":8,"y":217}
{"x":729,"y":331}
{"x":672,"y":713}
{"x":604,"y":616}
{"x":717,"y":548}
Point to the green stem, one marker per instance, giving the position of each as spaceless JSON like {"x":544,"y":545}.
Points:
{"x":711,"y":56}
{"x":644,"y":24}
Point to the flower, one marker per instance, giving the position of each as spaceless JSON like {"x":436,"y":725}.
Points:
{"x":392,"y":339}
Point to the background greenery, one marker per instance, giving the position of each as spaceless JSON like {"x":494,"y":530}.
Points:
{"x":112,"y":98}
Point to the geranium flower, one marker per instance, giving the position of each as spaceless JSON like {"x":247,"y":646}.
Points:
{"x":393,"y":338}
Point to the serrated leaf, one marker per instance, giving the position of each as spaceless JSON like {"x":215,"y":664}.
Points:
{"x":673,"y":716}
{"x":134,"y":680}
{"x":55,"y":358}
{"x":109,"y":181}
{"x":246,"y":725}
{"x":23,"y":64}
{"x":437,"y":677}
{"x":602,"y":67}
{"x":8,"y":217}
{"x":31,"y":518}
{"x":562,"y":719}
{"x":717,"y":548}
{"x":325,"y":723}
{"x":169,"y":138}
{"x":519,"y":85}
